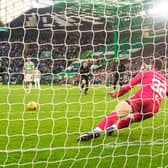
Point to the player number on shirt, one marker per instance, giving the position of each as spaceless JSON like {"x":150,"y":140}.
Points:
{"x":159,"y":87}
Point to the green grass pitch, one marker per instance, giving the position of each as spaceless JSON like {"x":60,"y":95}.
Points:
{"x":47,"y":137}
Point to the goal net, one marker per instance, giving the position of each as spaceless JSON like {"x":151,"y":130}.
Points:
{"x":114,"y":37}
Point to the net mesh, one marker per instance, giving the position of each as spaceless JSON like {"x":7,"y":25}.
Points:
{"x":59,"y":36}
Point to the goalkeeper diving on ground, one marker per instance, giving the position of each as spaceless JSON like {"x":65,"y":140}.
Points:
{"x":142,"y":105}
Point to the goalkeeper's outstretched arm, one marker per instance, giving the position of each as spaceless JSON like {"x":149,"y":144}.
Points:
{"x":123,"y":90}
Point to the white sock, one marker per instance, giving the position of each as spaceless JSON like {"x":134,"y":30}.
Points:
{"x":30,"y":86}
{"x":97,"y":129}
{"x":38,"y":85}
{"x":114,"y":126}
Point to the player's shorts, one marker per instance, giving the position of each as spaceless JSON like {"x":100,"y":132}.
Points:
{"x":28,"y":78}
{"x":83,"y":77}
{"x":143,"y":108}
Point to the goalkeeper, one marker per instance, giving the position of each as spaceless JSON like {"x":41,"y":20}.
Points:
{"x":142,"y":105}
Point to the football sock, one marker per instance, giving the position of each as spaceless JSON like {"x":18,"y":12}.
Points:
{"x":82,"y":86}
{"x":124,"y":123}
{"x":30,"y":86}
{"x":86,"y":89}
{"x":108,"y":121}
{"x":97,"y":129}
{"x":38,"y":84}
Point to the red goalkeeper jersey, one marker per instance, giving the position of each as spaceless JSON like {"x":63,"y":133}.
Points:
{"x":154,"y":86}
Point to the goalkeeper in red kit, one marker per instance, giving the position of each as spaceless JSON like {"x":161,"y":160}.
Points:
{"x":143,"y":104}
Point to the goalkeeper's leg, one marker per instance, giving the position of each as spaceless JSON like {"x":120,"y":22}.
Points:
{"x":124,"y":123}
{"x":134,"y":117}
{"x":148,"y":110}
{"x":122,"y":109}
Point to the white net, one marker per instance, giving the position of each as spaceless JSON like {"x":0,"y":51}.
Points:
{"x":114,"y":37}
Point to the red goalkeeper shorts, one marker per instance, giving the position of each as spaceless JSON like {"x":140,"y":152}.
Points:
{"x":143,"y":108}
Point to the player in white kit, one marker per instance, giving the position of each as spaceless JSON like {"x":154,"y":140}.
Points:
{"x":37,"y":78}
{"x":28,"y":74}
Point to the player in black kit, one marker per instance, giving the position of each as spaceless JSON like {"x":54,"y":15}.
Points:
{"x":119,"y":75}
{"x":84,"y":76}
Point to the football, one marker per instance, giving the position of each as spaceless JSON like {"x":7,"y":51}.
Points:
{"x":32,"y":105}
